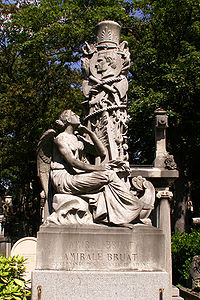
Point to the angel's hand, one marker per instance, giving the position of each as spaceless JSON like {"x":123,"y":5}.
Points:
{"x":119,"y":165}
{"x":103,"y":167}
{"x":83,"y":129}
{"x":107,"y":166}
{"x":126,"y":168}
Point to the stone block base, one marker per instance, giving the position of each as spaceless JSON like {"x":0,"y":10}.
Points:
{"x":100,"y":248}
{"x":99,"y":285}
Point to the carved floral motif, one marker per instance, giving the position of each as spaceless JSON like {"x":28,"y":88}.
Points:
{"x":105,"y":66}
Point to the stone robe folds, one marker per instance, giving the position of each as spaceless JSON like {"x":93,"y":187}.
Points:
{"x":108,"y":196}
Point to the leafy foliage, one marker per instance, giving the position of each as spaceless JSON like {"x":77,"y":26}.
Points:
{"x":184,"y":247}
{"x":165,"y":73}
{"x":165,"y":51}
{"x":12,"y":284}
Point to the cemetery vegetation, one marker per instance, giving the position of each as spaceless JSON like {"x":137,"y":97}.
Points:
{"x":184,"y":247}
{"x":40,"y":51}
{"x":12,"y":284}
{"x":165,"y":51}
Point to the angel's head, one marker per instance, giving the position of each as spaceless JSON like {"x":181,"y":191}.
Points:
{"x":68,"y":117}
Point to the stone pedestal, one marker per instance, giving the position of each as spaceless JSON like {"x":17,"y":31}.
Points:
{"x":100,"y":262}
{"x":99,"y":285}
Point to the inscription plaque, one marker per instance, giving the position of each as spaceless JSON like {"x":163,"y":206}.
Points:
{"x":100,"y":248}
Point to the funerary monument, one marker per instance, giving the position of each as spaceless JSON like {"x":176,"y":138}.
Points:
{"x":98,"y":241}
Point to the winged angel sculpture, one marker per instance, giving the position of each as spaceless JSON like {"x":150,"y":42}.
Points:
{"x":81,"y":192}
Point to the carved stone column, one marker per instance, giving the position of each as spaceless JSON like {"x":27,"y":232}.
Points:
{"x":160,"y":137}
{"x":165,"y":197}
{"x":105,"y":67}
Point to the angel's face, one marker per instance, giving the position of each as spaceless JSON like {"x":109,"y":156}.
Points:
{"x":74,"y":119}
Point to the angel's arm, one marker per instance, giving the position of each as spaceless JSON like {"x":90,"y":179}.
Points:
{"x":97,"y":144}
{"x":68,"y":156}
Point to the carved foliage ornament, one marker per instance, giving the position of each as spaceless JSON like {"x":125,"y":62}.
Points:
{"x":105,"y":66}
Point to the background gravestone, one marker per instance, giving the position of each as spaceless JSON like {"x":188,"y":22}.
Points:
{"x":26,"y":247}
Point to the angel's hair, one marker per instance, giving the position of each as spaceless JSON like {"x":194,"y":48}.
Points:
{"x":64,"y":118}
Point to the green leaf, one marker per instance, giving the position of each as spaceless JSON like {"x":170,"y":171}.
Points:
{"x":16,"y":298}
{"x":19,"y":282}
{"x":4,"y":280}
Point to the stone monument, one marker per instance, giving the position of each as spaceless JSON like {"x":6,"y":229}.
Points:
{"x":195,"y":272}
{"x":97,"y":241}
{"x":105,"y":66}
{"x":26,"y":248}
{"x":5,"y":245}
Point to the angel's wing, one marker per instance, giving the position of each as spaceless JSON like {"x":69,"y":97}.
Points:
{"x":44,"y":156}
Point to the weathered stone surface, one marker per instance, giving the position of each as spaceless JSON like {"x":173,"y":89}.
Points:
{"x":85,"y":193}
{"x":196,"y":221}
{"x":151,"y":172}
{"x":93,"y":247}
{"x":26,"y":247}
{"x":162,"y":158}
{"x":105,"y":66}
{"x":176,"y":293}
{"x":195,"y":272}
{"x":79,"y":285}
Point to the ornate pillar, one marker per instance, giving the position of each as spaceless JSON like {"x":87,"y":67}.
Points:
{"x":160,"y":137}
{"x":105,"y":67}
{"x":165,"y":196}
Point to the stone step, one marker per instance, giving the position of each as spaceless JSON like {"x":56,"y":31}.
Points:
{"x":175,"y":291}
